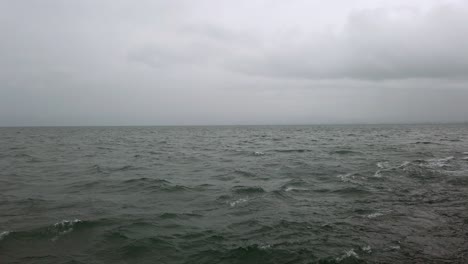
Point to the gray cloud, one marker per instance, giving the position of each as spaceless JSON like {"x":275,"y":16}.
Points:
{"x":232,"y":62}
{"x":377,"y":44}
{"x":374,"y":44}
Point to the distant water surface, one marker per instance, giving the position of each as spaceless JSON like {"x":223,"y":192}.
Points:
{"x":266,"y":194}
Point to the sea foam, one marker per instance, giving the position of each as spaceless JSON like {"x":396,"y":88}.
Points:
{"x":4,"y":234}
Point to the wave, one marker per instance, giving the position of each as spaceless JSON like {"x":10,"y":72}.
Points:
{"x":345,"y":152}
{"x":98,"y":169}
{"x":57,"y":230}
{"x":451,"y":139}
{"x":415,"y":167}
{"x":444,"y":162}
{"x":348,"y":177}
{"x":151,"y":185}
{"x":294,"y":184}
{"x":351,"y":191}
{"x":348,"y":256}
{"x":52,"y":232}
{"x":178,"y":216}
{"x":146,"y":249}
{"x":145,"y":180}
{"x":383,"y":165}
{"x":292,"y":150}
{"x":355,"y":178}
{"x":4,"y":234}
{"x":135,"y":184}
{"x":245,"y":173}
{"x":247,"y":189}
{"x":255,"y":253}
{"x":63,"y":227}
{"x":270,"y":253}
{"x":27,"y":157}
{"x":102,"y":170}
{"x":378,"y":174}
{"x":292,"y":188}
{"x":238,"y":201}
{"x":84,"y":185}
{"x":125,"y":168}
{"x":458,"y":180}
{"x":374,"y":215}
{"x":426,"y":143}
{"x":367,"y":249}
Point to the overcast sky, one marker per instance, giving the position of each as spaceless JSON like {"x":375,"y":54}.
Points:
{"x":197,"y":62}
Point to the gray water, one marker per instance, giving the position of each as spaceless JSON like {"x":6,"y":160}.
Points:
{"x":266,"y":194}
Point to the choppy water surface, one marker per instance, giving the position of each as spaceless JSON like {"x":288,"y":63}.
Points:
{"x":286,"y":194}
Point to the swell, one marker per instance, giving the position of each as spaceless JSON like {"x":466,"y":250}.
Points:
{"x":143,"y":184}
{"x":247,"y":189}
{"x":55,"y":231}
{"x":345,"y":152}
{"x":292,"y":150}
{"x":266,"y":253}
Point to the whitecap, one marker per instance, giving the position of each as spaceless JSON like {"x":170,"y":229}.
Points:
{"x":291,"y":188}
{"x":4,"y":234}
{"x":265,"y":246}
{"x":346,"y":177}
{"x":395,"y":247}
{"x":404,"y":164}
{"x":64,"y":227}
{"x":447,"y":159}
{"x":440,"y":162}
{"x":238,"y":201}
{"x":378,"y":174}
{"x":259,"y":153}
{"x":66,"y":223}
{"x":383,"y":164}
{"x":374,"y":215}
{"x":348,"y":254}
{"x":367,"y":249}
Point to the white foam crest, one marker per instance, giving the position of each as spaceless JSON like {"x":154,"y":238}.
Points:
{"x":238,"y":201}
{"x":64,"y":227}
{"x":440,"y":162}
{"x":404,"y":164}
{"x":383,"y":164}
{"x":374,"y":215}
{"x":259,"y":153}
{"x":291,"y":188}
{"x":348,"y":254}
{"x":395,"y":247}
{"x":264,"y":246}
{"x":4,"y":234}
{"x":367,"y":249}
{"x":65,"y":223}
{"x":348,"y":177}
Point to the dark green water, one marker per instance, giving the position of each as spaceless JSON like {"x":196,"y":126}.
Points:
{"x":285,"y":194}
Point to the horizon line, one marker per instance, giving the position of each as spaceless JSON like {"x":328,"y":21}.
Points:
{"x":245,"y":125}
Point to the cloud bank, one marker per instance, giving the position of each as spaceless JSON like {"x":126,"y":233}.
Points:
{"x":232,"y":62}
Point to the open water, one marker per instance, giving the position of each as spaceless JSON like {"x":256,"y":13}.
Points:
{"x":246,"y":194}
